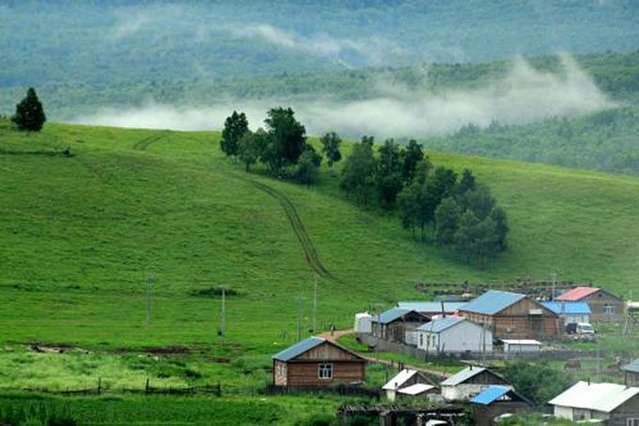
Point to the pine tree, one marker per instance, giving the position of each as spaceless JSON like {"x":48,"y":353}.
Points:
{"x":29,"y":113}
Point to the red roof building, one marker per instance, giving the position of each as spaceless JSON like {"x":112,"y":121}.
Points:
{"x":604,"y":306}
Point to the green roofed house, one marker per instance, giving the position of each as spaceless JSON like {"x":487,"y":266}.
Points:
{"x":317,"y":362}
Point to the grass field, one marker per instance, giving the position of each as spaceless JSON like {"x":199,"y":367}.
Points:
{"x":81,"y":235}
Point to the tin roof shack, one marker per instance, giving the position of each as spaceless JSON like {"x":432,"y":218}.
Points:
{"x":616,"y":405}
{"x":431,"y":309}
{"x":570,"y":312}
{"x":517,"y":346}
{"x":317,"y":362}
{"x":604,"y":306}
{"x":408,"y":383}
{"x":454,"y":334}
{"x":512,"y":316}
{"x":398,"y":325}
{"x":497,"y":400}
{"x":469,"y":382}
{"x":631,"y":373}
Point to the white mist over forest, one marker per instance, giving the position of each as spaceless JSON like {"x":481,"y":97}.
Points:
{"x":524,"y":95}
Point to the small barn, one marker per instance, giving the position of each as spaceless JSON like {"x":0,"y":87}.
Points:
{"x":454,"y":334}
{"x":432,"y":309}
{"x":604,"y":306}
{"x":496,"y":400}
{"x":631,"y":373}
{"x":408,"y":382}
{"x":513,"y":316}
{"x":398,"y":325}
{"x":570,"y":312}
{"x":616,"y":405}
{"x":515,"y":346}
{"x":469,"y":382}
{"x":317,"y":362}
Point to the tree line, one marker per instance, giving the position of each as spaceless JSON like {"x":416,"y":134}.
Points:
{"x":433,"y":202}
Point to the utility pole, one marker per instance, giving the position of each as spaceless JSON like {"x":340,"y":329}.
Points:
{"x":223,"y":320}
{"x":299,"y":319}
{"x":554,"y":283}
{"x":314,"y":304}
{"x":149,"y":281}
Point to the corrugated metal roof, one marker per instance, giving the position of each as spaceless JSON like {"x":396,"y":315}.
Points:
{"x":568,"y":307}
{"x":603,"y":397}
{"x":431,"y":307}
{"x":440,"y":324}
{"x":521,"y":341}
{"x":577,"y":293}
{"x":298,"y":348}
{"x":416,"y":389}
{"x":462,"y":376}
{"x":391,"y":315}
{"x":492,"y":301}
{"x":633,"y":367}
{"x":490,"y":394}
{"x":399,"y":379}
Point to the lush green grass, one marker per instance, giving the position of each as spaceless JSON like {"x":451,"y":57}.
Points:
{"x":82,"y":234}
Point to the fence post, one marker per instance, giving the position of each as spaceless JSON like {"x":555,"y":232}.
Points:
{"x":146,"y":386}
{"x":99,"y":385}
{"x":219,"y":389}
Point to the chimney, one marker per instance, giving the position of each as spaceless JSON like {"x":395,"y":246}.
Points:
{"x":443,"y":310}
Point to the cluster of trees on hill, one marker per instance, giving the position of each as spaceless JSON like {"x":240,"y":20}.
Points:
{"x":457,"y":213}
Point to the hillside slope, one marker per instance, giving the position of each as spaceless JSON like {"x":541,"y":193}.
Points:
{"x":81,"y":236}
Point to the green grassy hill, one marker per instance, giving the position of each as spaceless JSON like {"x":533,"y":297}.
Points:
{"x":82,"y":234}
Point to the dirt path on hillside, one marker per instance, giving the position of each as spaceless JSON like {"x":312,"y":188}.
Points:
{"x":310,"y":254}
{"x":333,"y":336}
{"x":144,"y":143}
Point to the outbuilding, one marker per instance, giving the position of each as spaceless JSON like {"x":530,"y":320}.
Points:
{"x":408,"y":382}
{"x":512,"y":316}
{"x":469,"y":382}
{"x":496,"y":400}
{"x":317,"y":362}
{"x":363,"y":323}
{"x":631,"y":373}
{"x":398,"y":325}
{"x":616,"y":405}
{"x":454,"y":334}
{"x":604,"y":306}
{"x":570,"y":312}
{"x":515,"y":346}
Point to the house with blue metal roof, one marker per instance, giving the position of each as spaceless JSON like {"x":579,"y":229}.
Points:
{"x":317,"y":362}
{"x":469,"y":382}
{"x":398,"y":325}
{"x":454,"y":334}
{"x":513,"y":316}
{"x":570,"y":312}
{"x":496,"y":400}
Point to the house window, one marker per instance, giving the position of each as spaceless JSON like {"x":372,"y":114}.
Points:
{"x":421,"y":339}
{"x":325,"y":371}
{"x":609,"y":310}
{"x":632,"y":421}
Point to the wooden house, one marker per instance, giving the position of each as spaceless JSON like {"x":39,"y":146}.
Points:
{"x":432,"y":309}
{"x":469,"y":382}
{"x":317,"y":362}
{"x":454,"y":334}
{"x":604,"y":306}
{"x":631,"y":373}
{"x":610,"y":403}
{"x":570,"y":312}
{"x":513,"y":316}
{"x":398,"y":325}
{"x":408,"y":383}
{"x":496,"y":400}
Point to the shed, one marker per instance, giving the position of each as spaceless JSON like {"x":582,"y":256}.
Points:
{"x":570,"y":312}
{"x":398,"y":325}
{"x":363,"y":322}
{"x":631,"y":373}
{"x":317,"y":362}
{"x":454,"y":334}
{"x":496,"y":400}
{"x":469,"y":382}
{"x":512,"y":315}
{"x":604,"y":306}
{"x":513,"y":346}
{"x":408,"y":382}
{"x":617,"y":405}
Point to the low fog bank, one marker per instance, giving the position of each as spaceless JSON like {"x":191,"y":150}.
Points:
{"x":524,"y":95}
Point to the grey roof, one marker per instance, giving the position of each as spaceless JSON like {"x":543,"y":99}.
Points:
{"x":298,"y":348}
{"x":431,"y":306}
{"x":492,"y":302}
{"x":440,"y":324}
{"x":604,"y":397}
{"x":633,"y":367}
{"x":462,"y":376}
{"x":391,"y":315}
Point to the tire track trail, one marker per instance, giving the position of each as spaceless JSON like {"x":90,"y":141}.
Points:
{"x":144,"y":143}
{"x":310,"y":254}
